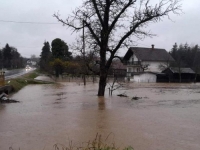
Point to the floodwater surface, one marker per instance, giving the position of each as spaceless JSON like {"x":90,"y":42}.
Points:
{"x":164,"y":118}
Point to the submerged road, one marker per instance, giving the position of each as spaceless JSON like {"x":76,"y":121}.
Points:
{"x":10,"y":74}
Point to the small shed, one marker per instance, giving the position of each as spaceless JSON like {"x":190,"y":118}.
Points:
{"x":176,"y":74}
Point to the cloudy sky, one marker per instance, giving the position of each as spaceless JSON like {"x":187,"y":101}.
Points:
{"x":29,"y":38}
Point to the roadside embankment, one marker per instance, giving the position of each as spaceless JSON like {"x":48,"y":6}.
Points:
{"x":16,"y":84}
{"x":20,"y":82}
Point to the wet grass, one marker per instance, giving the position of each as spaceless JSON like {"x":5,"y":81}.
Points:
{"x":96,"y":144}
{"x":31,"y":75}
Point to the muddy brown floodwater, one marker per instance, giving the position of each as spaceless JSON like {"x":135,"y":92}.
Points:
{"x":167,"y":117}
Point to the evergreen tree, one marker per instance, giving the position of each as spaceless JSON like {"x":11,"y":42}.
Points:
{"x":60,"y":53}
{"x":1,"y":54}
{"x":45,"y":56}
{"x":187,"y":56}
{"x":60,"y":49}
{"x":7,"y":56}
{"x":174,"y":50}
{"x":15,"y":61}
{"x":10,"y":58}
{"x":45,"y":51}
{"x":1,"y":59}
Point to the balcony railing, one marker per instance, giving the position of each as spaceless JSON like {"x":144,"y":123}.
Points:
{"x":131,"y":74}
{"x":135,"y":63}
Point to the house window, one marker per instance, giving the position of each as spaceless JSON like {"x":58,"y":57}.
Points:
{"x":129,"y":69}
{"x":138,"y":69}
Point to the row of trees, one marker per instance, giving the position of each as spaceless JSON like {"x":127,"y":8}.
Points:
{"x":186,"y":56}
{"x":10,"y":58}
{"x":56,"y":58}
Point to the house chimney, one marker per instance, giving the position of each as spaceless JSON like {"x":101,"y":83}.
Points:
{"x":152,"y":46}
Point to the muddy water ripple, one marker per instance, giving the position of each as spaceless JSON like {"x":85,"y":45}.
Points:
{"x":164,"y":118}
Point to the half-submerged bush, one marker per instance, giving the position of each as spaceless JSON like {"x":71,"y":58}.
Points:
{"x":95,"y":144}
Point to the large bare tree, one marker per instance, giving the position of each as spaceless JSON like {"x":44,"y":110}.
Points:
{"x":111,"y":24}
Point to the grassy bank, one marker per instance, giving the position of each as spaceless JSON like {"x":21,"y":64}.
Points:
{"x":20,"y":82}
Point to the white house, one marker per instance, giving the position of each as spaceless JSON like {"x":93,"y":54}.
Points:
{"x":143,"y":64}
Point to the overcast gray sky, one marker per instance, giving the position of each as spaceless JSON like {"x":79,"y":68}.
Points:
{"x":29,"y":38}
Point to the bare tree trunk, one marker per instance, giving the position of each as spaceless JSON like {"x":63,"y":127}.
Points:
{"x":102,"y":84}
{"x":84,"y":80}
{"x":103,"y":70}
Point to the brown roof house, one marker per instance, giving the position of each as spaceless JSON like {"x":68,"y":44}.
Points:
{"x":143,"y":64}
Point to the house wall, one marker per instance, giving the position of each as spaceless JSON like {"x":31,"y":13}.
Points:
{"x":144,"y":78}
{"x":133,"y":68}
{"x":154,"y":66}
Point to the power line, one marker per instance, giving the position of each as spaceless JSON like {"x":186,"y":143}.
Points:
{"x":25,"y":22}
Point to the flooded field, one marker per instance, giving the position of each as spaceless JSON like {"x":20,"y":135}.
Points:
{"x":167,"y":117}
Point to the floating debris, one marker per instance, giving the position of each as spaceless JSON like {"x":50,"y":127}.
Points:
{"x":122,"y":95}
{"x":9,"y":101}
{"x":4,"y":99}
{"x":136,"y":98}
{"x":3,"y":96}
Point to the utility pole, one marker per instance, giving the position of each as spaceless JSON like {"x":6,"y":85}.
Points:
{"x":84,"y":52}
